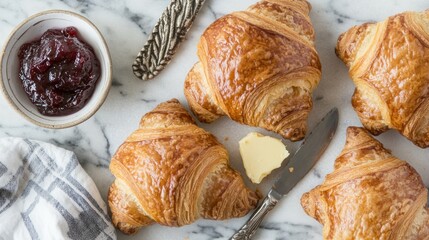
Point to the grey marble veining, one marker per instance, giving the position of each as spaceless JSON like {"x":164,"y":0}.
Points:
{"x":125,"y":25}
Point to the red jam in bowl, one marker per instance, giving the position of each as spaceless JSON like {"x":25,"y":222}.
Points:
{"x":58,"y":72}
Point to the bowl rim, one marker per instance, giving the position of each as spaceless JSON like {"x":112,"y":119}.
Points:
{"x":103,"y":95}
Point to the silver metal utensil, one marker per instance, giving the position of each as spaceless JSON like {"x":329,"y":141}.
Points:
{"x":303,"y":160}
{"x":167,"y":34}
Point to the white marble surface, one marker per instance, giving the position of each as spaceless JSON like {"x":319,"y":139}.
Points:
{"x":125,"y":25}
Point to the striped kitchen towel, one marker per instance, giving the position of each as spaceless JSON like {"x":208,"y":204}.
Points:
{"x":46,"y":194}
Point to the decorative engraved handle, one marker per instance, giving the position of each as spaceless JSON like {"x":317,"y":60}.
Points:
{"x":170,"y":30}
{"x":249,"y":228}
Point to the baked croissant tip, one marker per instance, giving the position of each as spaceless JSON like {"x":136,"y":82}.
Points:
{"x":305,"y":202}
{"x":354,"y":130}
{"x":338,"y":45}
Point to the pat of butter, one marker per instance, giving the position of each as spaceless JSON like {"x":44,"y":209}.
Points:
{"x":261,"y":155}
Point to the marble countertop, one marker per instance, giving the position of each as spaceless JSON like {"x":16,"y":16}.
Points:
{"x":126,"y":24}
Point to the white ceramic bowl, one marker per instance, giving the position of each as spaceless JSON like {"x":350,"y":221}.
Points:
{"x":32,"y":29}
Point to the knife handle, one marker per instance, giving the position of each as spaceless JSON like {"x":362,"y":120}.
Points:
{"x":167,"y":34}
{"x":249,"y":228}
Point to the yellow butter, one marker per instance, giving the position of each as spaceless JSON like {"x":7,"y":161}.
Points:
{"x":261,"y":155}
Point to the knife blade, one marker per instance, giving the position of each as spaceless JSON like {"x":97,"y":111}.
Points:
{"x":168,"y":33}
{"x":299,"y":165}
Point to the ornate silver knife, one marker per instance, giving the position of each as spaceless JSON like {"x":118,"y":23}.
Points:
{"x":303,"y":160}
{"x":167,"y":34}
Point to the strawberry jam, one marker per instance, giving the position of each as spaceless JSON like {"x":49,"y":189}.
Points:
{"x":58,"y":72}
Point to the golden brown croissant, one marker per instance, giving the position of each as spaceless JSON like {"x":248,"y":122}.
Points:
{"x":389,"y":64}
{"x":370,"y":195}
{"x":172,"y":172}
{"x":259,"y":67}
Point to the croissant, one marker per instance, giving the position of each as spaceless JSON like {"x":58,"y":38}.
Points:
{"x":370,"y":195}
{"x":259,"y":67}
{"x":172,"y":172}
{"x":389,"y":64}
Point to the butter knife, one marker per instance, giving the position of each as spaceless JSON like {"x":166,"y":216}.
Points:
{"x":301,"y":163}
{"x":166,"y":36}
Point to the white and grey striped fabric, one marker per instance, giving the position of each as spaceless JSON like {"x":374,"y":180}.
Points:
{"x":46,"y":194}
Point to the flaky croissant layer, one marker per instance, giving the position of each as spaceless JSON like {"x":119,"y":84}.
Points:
{"x":389,"y":64}
{"x":259,"y":67}
{"x":370,"y":195}
{"x":172,"y":172}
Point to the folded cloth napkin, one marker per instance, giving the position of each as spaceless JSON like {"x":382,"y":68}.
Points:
{"x":46,"y":194}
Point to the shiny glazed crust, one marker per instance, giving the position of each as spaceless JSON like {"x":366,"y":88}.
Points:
{"x":389,"y":64}
{"x":172,"y":172}
{"x":370,"y":195}
{"x":259,"y":67}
